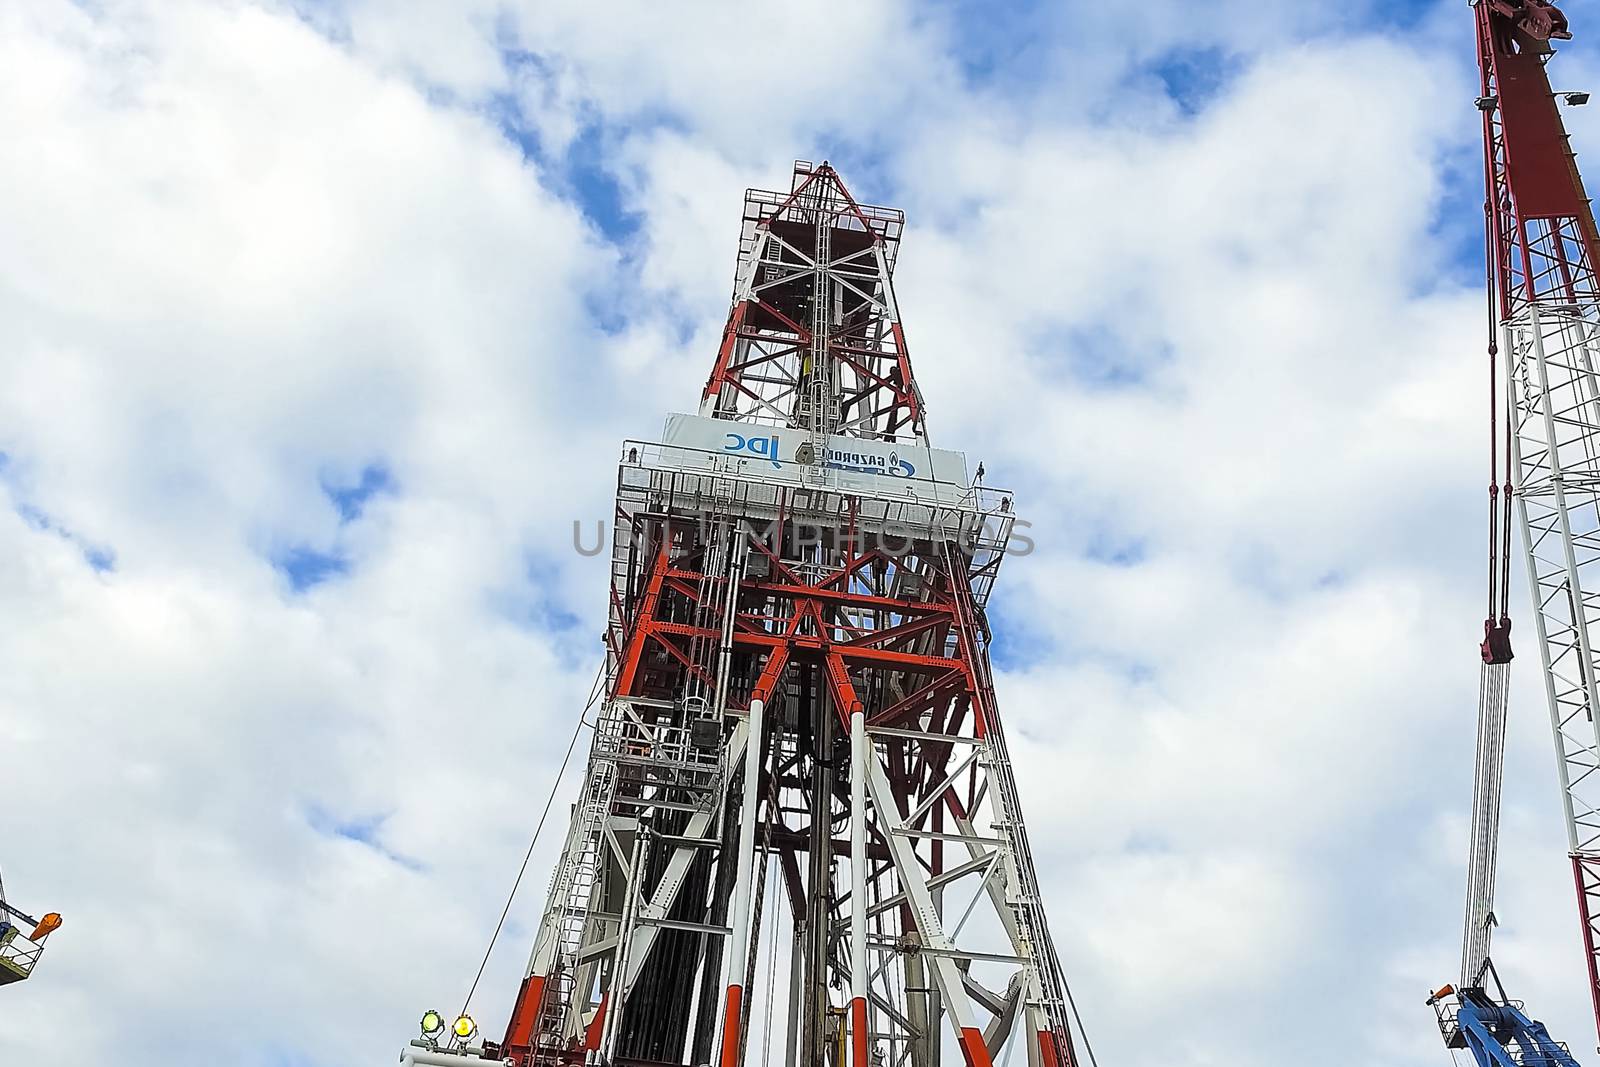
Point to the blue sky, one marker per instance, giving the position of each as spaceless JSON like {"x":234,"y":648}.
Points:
{"x":325,"y":321}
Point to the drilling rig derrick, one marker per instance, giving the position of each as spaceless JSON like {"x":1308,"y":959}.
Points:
{"x":798,"y":819}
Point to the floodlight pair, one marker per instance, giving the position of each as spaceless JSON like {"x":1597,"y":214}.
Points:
{"x":433,"y":1025}
{"x":1575,"y":98}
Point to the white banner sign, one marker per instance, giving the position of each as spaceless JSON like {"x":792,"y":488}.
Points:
{"x":880,"y":468}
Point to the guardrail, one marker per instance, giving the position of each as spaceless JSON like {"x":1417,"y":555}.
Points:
{"x":18,"y":954}
{"x":913,"y":489}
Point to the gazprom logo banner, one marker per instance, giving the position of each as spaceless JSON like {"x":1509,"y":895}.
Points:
{"x":781,"y":454}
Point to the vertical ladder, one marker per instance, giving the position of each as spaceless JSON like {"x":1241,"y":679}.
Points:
{"x":818,"y":401}
{"x":710,"y":596}
{"x":573,"y":889}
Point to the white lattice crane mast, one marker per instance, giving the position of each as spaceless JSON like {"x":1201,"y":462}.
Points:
{"x":1544,"y":456}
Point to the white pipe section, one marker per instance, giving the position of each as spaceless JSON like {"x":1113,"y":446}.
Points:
{"x":739,"y":944}
{"x":421,"y":1057}
{"x":616,"y":997}
{"x":735,"y":577}
{"x":860,"y":753}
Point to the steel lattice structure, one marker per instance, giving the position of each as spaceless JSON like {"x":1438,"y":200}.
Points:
{"x":799,"y":743}
{"x":1545,"y":311}
{"x":784,"y":354}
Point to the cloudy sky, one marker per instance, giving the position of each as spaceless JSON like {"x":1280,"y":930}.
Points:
{"x":320,"y":323}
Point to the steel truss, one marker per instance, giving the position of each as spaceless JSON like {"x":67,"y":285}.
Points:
{"x":837,"y":364}
{"x":1543,"y":248}
{"x":1556,"y":422}
{"x":798,"y":686}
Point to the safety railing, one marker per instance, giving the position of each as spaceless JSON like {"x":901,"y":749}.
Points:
{"x":681,"y":478}
{"x":18,"y":954}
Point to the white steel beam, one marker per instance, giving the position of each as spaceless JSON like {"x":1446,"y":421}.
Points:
{"x":738,"y":953}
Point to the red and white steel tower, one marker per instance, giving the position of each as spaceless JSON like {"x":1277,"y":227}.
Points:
{"x":798,"y":760}
{"x":1544,"y":458}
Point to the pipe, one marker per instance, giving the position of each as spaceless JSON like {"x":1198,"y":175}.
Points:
{"x":860,"y":752}
{"x":619,"y":987}
{"x":421,"y":1057}
{"x":735,"y":578}
{"x":739,"y":945}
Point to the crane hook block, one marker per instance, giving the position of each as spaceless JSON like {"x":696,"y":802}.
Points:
{"x":1539,"y":19}
{"x":1496,"y":647}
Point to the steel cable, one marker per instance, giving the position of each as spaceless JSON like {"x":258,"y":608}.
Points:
{"x":527,"y":857}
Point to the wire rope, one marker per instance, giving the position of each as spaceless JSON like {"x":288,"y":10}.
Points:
{"x":527,"y":857}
